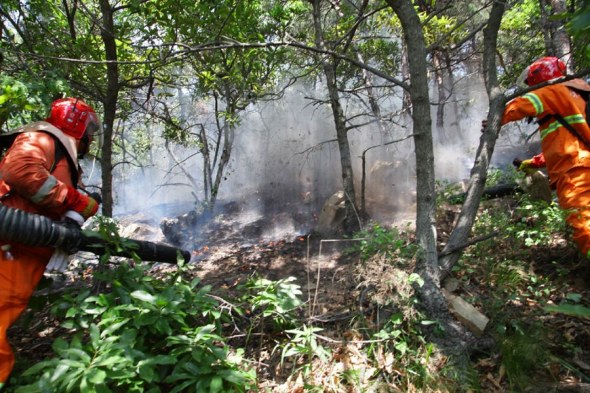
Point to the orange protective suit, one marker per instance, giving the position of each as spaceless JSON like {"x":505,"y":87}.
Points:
{"x":567,"y":158}
{"x":26,"y":183}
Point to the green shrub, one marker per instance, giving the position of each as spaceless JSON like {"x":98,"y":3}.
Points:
{"x":143,"y":335}
{"x":390,"y":242}
{"x":538,"y":222}
{"x":275,"y":300}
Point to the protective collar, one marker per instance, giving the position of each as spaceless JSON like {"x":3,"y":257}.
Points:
{"x":68,"y":142}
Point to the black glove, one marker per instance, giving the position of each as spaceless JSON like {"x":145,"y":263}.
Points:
{"x":517,"y":162}
{"x":71,"y":233}
{"x":96,"y":196}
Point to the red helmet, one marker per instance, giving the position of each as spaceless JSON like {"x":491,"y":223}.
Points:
{"x":545,"y":69}
{"x":74,"y":117}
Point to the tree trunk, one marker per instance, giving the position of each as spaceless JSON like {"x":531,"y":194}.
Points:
{"x":376,"y":113}
{"x":406,"y":100}
{"x":422,"y":125}
{"x":457,"y":341}
{"x":455,"y":124}
{"x":110,"y":105}
{"x":227,"y":130}
{"x":351,"y":221}
{"x":204,"y":148}
{"x":228,"y":142}
{"x":427,"y":262}
{"x":487,"y":142}
{"x":561,"y":38}
{"x":442,"y":94}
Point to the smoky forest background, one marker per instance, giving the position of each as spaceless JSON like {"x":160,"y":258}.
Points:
{"x":324,"y":163}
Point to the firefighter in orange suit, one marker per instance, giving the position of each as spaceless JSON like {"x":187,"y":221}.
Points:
{"x":565,"y":154}
{"x":31,"y":180}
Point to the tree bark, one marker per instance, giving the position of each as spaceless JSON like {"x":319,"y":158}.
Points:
{"x":406,"y":100}
{"x":457,"y":342}
{"x":487,"y":143}
{"x":430,"y":294}
{"x":376,"y":113}
{"x":351,"y":221}
{"x":438,"y":74}
{"x":224,"y":143}
{"x":110,"y":105}
{"x":427,"y":265}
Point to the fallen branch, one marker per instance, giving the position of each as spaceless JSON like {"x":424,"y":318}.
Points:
{"x":471,"y":242}
{"x":497,"y":191}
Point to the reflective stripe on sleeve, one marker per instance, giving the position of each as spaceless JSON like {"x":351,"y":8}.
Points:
{"x":575,"y":119}
{"x":45,"y":189}
{"x":536,"y":101}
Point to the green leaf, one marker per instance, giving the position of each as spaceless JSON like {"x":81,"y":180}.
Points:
{"x":143,"y":296}
{"x":85,"y":387}
{"x":102,"y":389}
{"x":38,"y":367}
{"x":113,"y":328}
{"x":74,"y":364}
{"x":60,"y":371}
{"x":232,"y":376}
{"x":192,"y":368}
{"x":94,"y":334}
{"x":159,"y":359}
{"x":182,"y":386}
{"x":96,"y":376}
{"x":147,"y":373}
{"x":402,"y":347}
{"x":79,"y":354}
{"x":216,"y":384}
{"x":109,"y":361}
{"x":72,"y":312}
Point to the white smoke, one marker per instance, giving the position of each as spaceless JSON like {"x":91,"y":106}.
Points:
{"x":283,"y":161}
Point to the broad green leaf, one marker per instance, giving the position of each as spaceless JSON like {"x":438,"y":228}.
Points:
{"x":96,"y":376}
{"x":216,"y":384}
{"x":143,"y":296}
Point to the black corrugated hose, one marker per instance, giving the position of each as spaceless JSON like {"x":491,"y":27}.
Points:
{"x":36,"y":230}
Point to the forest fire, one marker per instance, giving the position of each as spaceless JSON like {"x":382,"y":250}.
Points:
{"x":337,"y":177}
{"x":231,"y":223}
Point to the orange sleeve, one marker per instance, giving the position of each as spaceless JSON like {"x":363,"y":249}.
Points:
{"x":518,"y":109}
{"x":26,"y":170}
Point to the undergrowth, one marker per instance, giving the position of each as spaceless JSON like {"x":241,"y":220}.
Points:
{"x":526,"y":290}
{"x":133,"y":332}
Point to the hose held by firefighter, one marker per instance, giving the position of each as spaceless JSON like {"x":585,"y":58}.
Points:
{"x":560,"y":110}
{"x":40,"y":174}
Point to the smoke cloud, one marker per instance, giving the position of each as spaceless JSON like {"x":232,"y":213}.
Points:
{"x":285,"y":163}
